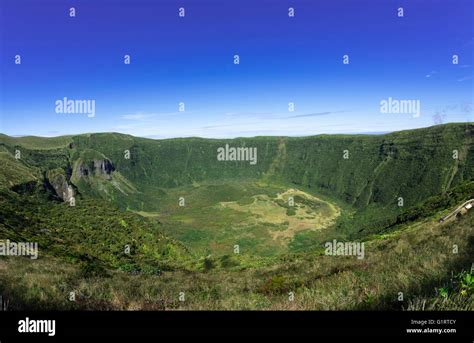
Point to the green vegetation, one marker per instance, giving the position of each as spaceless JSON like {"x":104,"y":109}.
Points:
{"x":171,"y":218}
{"x":416,"y":261}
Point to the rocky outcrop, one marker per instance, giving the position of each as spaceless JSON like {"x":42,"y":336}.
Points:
{"x":58,"y":181}
{"x":103,"y":168}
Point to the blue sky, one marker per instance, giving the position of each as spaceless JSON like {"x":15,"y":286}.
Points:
{"x":190,"y":60}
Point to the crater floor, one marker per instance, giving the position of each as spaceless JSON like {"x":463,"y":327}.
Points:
{"x":260,"y":219}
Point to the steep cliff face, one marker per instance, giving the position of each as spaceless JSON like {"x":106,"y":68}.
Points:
{"x":103,"y":167}
{"x":379,"y":169}
{"x":59,"y":182}
{"x":358,"y":169}
{"x":95,"y":175}
{"x":362,"y":170}
{"x":99,"y":168}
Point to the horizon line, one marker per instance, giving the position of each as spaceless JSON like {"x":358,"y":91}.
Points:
{"x":368,"y":133}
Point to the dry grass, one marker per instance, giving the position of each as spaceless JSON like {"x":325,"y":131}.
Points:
{"x":267,"y":211}
{"x":413,"y":261}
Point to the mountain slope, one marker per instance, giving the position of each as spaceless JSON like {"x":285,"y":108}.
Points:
{"x":417,"y":261}
{"x":125,"y":242}
{"x":378,"y":177}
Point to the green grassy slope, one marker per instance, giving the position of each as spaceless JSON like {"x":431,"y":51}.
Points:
{"x":94,"y":232}
{"x":36,"y":143}
{"x":417,"y":261}
{"x":379,"y":169}
{"x":412,"y":164}
{"x":83,"y":246}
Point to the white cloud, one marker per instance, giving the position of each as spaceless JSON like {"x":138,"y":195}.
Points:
{"x":136,"y":116}
{"x":143,"y":116}
{"x":465,"y":78}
